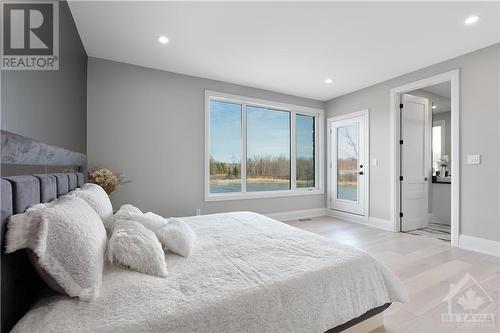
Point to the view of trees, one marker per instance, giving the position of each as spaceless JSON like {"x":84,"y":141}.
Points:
{"x":347,"y":159}
{"x":265,"y":167}
{"x":305,"y":172}
{"x":224,"y":170}
{"x":268,"y":167}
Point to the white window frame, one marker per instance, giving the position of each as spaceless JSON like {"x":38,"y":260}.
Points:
{"x":319,"y":115}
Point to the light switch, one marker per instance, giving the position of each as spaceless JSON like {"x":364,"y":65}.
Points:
{"x":473,"y":159}
{"x":374,"y":162}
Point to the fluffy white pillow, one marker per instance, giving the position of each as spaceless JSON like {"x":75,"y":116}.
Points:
{"x":150,"y":220}
{"x":136,"y":247}
{"x":97,"y":198}
{"x":124,"y":213}
{"x":177,"y":237}
{"x":69,"y":241}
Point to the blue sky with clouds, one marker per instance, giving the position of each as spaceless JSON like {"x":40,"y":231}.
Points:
{"x":268,"y":132}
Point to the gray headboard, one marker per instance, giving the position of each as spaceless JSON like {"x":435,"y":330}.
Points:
{"x":20,"y":283}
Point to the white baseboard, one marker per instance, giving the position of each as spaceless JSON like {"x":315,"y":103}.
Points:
{"x":298,"y":214}
{"x":370,"y":221}
{"x":481,"y":245}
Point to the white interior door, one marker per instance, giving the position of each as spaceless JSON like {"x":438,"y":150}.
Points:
{"x":415,"y":162}
{"x":348,"y":168}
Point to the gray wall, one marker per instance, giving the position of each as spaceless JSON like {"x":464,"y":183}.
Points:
{"x":50,"y":106}
{"x":149,"y":124}
{"x":479,"y":129}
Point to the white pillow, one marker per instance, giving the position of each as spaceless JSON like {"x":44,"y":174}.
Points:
{"x":177,"y":237}
{"x":123,"y":213}
{"x":150,"y":220}
{"x":136,"y":247}
{"x":97,"y":198}
{"x":69,"y":241}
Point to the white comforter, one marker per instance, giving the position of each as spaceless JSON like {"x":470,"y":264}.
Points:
{"x":248,"y":273}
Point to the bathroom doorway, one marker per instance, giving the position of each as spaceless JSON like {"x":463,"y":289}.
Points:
{"x":426,"y":157}
{"x":431,"y":129}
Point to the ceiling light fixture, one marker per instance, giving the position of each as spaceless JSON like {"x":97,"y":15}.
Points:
{"x":471,"y":19}
{"x":328,"y":81}
{"x":434,"y":107}
{"x":163,"y":40}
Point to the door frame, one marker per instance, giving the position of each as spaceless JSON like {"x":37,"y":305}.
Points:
{"x":366,"y":114}
{"x":454,"y":77}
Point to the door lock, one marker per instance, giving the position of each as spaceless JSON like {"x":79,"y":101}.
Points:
{"x":361,"y":173}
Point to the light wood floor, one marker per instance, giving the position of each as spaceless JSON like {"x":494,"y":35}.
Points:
{"x":426,"y":266}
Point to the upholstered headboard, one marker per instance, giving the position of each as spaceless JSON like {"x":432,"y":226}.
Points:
{"x":20,"y":283}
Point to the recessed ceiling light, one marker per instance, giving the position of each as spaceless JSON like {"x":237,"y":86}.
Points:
{"x":471,"y":19}
{"x":163,"y":39}
{"x":328,"y":81}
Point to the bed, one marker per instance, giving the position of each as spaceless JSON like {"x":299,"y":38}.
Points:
{"x":248,"y":273}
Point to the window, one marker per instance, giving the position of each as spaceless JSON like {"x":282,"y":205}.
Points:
{"x":257,"y":148}
{"x":225,"y":147}
{"x":438,"y":146}
{"x":305,"y":133}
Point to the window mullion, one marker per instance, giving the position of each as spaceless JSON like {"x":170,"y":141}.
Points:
{"x":244,"y":148}
{"x":293,"y":152}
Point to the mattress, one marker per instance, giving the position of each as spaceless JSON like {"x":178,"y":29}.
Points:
{"x":248,"y":273}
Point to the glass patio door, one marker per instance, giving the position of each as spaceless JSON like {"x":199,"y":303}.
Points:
{"x":348,"y":165}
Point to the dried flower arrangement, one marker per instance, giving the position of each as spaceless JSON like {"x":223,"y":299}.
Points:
{"x":107,"y":179}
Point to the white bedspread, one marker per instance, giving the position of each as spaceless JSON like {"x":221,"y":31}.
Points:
{"x":248,"y":273}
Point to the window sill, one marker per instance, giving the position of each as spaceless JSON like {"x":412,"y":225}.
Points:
{"x":262,"y":195}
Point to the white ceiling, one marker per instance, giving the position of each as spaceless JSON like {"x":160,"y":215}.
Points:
{"x":289,"y":47}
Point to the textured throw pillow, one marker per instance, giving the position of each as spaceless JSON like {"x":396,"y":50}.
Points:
{"x":177,"y":236}
{"x":97,"y":198}
{"x":136,"y":247}
{"x":68,"y":242}
{"x":150,"y":220}
{"x":123,"y":213}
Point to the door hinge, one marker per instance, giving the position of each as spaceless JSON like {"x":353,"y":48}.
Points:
{"x":400,"y":142}
{"x":400,"y":214}
{"x":401,"y":105}
{"x":401,"y":178}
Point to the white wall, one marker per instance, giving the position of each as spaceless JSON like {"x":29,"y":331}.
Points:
{"x":480,"y":123}
{"x":149,"y":124}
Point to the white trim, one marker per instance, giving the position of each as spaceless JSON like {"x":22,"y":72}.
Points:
{"x":298,"y":214}
{"x":454,"y":77}
{"x":363,"y":113}
{"x":373,"y":222}
{"x":318,"y":115}
{"x":481,"y":245}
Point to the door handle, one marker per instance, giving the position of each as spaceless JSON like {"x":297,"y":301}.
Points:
{"x":426,"y":179}
{"x":361,"y":173}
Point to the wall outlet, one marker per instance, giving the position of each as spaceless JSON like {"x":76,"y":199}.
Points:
{"x":198,"y":211}
{"x":473,"y":159}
